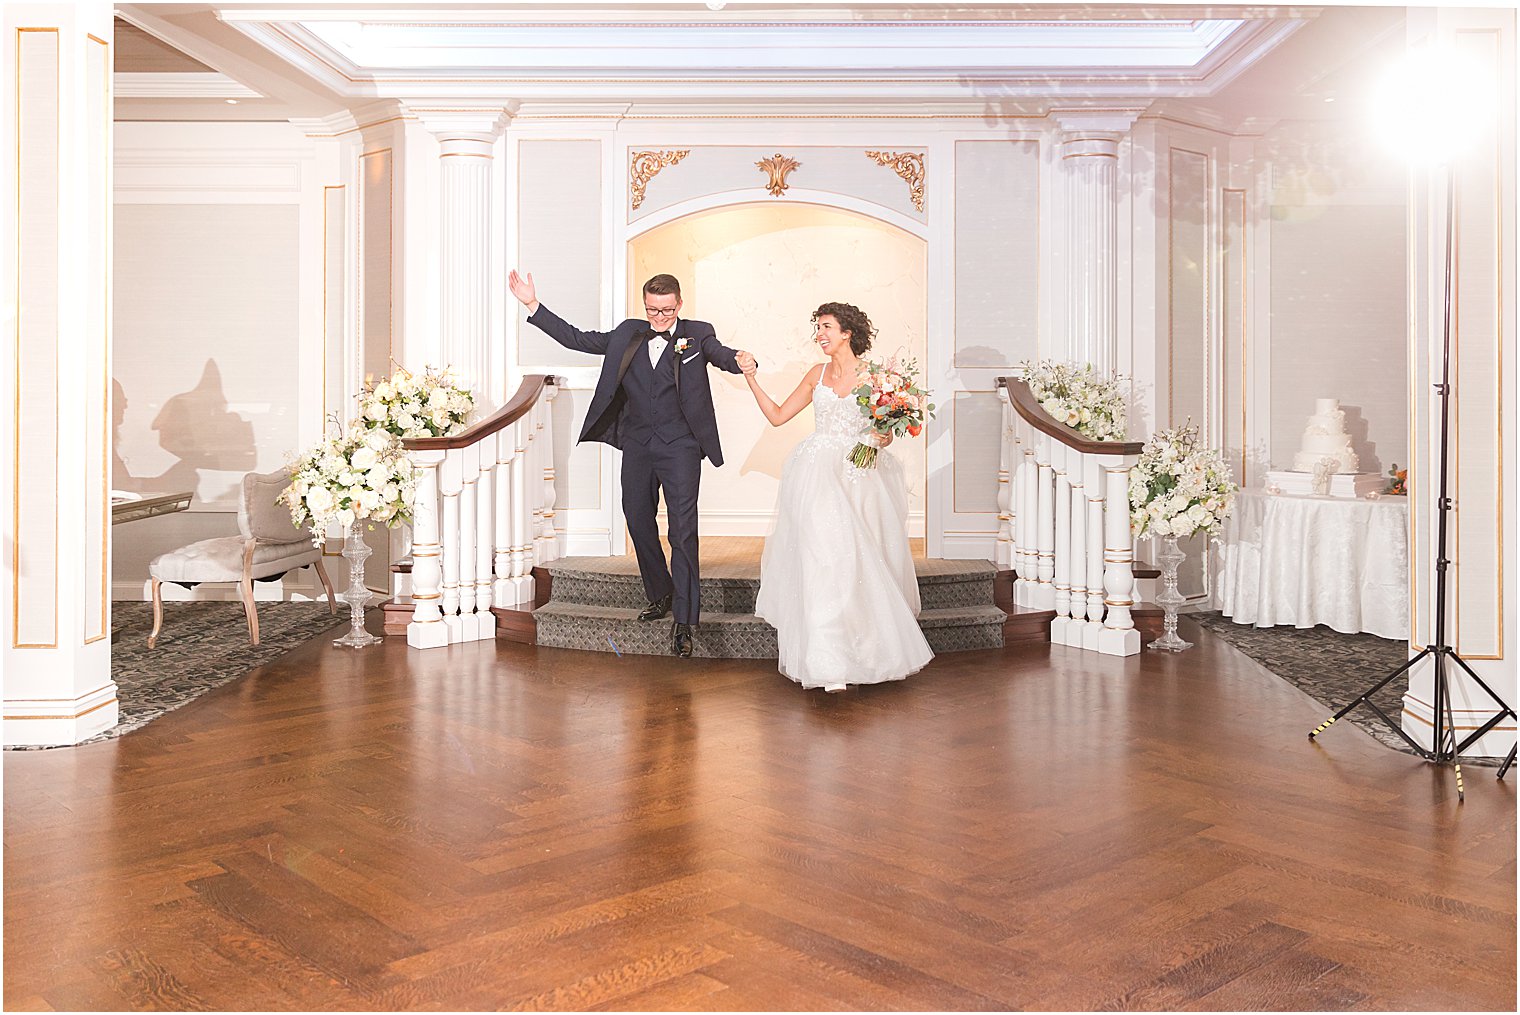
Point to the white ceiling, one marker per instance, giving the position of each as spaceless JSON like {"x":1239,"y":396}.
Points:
{"x":314,"y":60}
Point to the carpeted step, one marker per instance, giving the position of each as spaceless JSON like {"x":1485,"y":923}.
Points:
{"x":592,"y":628}
{"x":614,"y":582}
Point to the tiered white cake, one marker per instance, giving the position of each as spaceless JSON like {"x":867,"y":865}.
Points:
{"x":1325,"y":463}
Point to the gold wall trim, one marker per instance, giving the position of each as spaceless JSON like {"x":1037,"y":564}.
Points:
{"x":645,"y":166}
{"x":907,"y":165}
{"x":16,"y":452}
{"x":76,"y":715}
{"x":777,"y":168}
{"x":1245,"y":323}
{"x":105,"y":349}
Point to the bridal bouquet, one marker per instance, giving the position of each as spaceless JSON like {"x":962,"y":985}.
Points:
{"x":404,"y":404}
{"x":894,"y":403}
{"x":1093,"y":405}
{"x":1178,"y":487}
{"x":357,"y":475}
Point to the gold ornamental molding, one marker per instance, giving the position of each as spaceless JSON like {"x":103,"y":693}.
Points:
{"x":646,"y":166}
{"x":908,"y":165}
{"x":777,"y":167}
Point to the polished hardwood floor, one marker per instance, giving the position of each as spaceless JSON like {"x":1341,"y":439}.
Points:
{"x":501,"y":826}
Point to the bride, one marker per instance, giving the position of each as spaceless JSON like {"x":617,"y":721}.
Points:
{"x":836,"y":578}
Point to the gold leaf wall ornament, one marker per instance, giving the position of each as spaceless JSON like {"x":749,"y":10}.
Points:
{"x":908,"y":165}
{"x":645,"y":167}
{"x":777,"y":167}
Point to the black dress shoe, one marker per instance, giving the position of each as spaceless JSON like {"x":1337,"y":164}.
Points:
{"x":657,"y":609}
{"x":680,"y":640}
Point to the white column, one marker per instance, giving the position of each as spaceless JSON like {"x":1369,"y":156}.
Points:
{"x":450,"y":481}
{"x":426,"y":629}
{"x":1077,"y":572}
{"x":1062,"y":549}
{"x":56,"y":377}
{"x":1094,"y":480}
{"x":1119,"y":637}
{"x":1088,"y":161}
{"x":501,"y":587}
{"x":1003,"y":558}
{"x":1045,"y":528}
{"x":466,"y":139}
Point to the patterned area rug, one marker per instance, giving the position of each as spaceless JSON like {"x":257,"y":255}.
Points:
{"x":1330,"y":667}
{"x":201,"y":646}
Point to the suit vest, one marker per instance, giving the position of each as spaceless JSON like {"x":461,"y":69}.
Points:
{"x":653,"y":407}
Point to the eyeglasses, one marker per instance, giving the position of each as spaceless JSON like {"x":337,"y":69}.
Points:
{"x":652,"y":312}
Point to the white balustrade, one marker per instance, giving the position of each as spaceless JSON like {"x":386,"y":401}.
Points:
{"x":1065,"y":508}
{"x":482,"y":520}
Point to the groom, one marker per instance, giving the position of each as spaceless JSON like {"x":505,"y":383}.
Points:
{"x":652,"y":400}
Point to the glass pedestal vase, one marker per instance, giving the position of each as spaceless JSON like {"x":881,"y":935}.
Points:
{"x":358,"y":595}
{"x":1170,"y":556}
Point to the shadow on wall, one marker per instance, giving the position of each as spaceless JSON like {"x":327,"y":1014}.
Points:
{"x":195,"y":427}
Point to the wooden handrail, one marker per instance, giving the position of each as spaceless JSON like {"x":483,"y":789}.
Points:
{"x":527,"y":394}
{"x":1025,"y":405}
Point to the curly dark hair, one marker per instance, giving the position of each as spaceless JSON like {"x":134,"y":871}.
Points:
{"x":853,"y":321}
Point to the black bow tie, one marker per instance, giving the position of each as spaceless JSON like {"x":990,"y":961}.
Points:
{"x":660,"y":334}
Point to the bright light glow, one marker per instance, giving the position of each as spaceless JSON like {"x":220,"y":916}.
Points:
{"x":1432,"y":104}
{"x":232,"y":102}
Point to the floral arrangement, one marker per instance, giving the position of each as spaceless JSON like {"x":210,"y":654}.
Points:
{"x":406,"y":405}
{"x":1178,"y":487}
{"x":1094,"y":406}
{"x":357,"y":474}
{"x":1398,"y":482}
{"x":891,"y":399}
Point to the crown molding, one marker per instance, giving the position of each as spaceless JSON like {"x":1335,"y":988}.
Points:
{"x":179,"y":85}
{"x":481,"y":122}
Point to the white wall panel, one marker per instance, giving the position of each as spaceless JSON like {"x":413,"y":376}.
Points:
{"x":560,"y":240}
{"x":997,"y":253}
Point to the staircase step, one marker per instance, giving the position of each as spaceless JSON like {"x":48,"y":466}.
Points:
{"x":614,"y":582}
{"x":721,"y":635}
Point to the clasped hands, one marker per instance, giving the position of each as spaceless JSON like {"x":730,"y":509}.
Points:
{"x":747,"y":363}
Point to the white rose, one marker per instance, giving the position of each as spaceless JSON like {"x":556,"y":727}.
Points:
{"x":364,"y":459}
{"x":369,"y":500}
{"x":377,"y":477}
{"x":407,"y":422}
{"x":385,"y":391}
{"x":1161,"y":527}
{"x":346,"y":478}
{"x":1198,"y":513}
{"x":319,"y":499}
{"x":345,"y":517}
{"x":375,"y":411}
{"x":377,"y":439}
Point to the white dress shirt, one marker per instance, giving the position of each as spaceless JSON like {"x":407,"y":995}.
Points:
{"x":657,"y":345}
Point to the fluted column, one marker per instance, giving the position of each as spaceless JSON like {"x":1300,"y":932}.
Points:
{"x":466,"y":140}
{"x":1088,"y":162}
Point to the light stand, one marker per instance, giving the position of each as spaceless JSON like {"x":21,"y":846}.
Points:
{"x":1444,"y":729}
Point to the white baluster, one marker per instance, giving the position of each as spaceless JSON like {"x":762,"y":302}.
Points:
{"x":1003,"y":557}
{"x":1077,"y":570}
{"x":485,"y":541}
{"x":1045,"y":591}
{"x":1094,"y":479}
{"x":1061,"y":546}
{"x":522,"y":546}
{"x":469,"y":463}
{"x":426,"y":629}
{"x":505,"y":447}
{"x":1119,"y":637}
{"x":1029,"y":520}
{"x":548,"y":542}
{"x":449,"y":484}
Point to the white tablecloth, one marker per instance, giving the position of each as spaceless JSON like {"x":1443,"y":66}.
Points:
{"x":1317,"y":560}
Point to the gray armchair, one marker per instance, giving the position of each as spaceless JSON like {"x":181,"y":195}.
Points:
{"x":269,"y":544}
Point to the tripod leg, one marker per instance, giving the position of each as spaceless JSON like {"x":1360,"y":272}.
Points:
{"x":1446,"y":722}
{"x":1479,"y":681}
{"x":1375,"y":688}
{"x":1510,"y":760}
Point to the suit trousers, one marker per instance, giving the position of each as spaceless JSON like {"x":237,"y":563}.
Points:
{"x":676,"y":469}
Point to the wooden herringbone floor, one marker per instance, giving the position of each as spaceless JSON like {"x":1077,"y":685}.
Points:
{"x":502,"y":826}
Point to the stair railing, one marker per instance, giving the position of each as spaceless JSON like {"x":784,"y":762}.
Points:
{"x":483,"y":518}
{"x":1063,"y":525}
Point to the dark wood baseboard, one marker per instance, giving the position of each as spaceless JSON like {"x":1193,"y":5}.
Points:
{"x":513,"y":623}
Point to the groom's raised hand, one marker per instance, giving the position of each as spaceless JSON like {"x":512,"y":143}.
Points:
{"x":524,"y":290}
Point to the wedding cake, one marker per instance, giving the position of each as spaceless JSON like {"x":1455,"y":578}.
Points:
{"x":1325,"y":463}
{"x":1325,"y":437}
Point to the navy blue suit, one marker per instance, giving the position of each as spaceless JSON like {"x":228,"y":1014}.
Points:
{"x":661,"y":416}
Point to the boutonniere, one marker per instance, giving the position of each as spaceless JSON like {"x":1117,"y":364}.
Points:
{"x":682,"y":344}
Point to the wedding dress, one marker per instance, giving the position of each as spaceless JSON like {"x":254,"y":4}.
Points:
{"x":836,"y":578}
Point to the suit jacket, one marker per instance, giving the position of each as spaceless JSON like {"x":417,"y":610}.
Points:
{"x":604,"y":420}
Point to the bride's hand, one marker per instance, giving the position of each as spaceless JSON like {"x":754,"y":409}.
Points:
{"x":881,"y":440}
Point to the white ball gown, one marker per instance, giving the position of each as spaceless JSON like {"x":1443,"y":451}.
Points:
{"x":836,"y":578}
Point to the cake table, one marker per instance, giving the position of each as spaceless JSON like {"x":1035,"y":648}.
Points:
{"x":1302,"y":561}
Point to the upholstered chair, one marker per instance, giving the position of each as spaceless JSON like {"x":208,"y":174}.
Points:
{"x":267,"y":546}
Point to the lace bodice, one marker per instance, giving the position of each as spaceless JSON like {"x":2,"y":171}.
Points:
{"x":836,"y":418}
